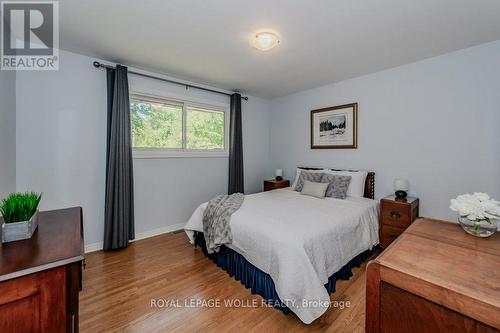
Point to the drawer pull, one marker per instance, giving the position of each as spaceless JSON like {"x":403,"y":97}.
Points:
{"x":393,"y":237}
{"x":395,"y":215}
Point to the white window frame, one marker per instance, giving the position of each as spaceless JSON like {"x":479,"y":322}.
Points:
{"x":183,"y":152}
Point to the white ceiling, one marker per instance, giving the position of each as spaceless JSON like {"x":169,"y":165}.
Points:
{"x":322,"y":41}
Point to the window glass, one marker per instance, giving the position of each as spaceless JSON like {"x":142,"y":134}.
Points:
{"x":204,"y":129}
{"x":156,"y":125}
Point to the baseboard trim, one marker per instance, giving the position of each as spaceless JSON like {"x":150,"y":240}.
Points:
{"x":92,"y":247}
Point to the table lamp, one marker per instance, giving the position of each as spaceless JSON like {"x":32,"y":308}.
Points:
{"x":401,"y":187}
{"x":279,"y":174}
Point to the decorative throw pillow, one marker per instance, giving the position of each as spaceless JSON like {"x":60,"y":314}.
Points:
{"x":314,"y":177}
{"x":313,"y":189}
{"x":337,"y":185}
{"x":299,"y":170}
{"x":357,"y":184}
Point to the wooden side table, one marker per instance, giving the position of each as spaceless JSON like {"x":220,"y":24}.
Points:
{"x":273,"y":184}
{"x":395,"y":216}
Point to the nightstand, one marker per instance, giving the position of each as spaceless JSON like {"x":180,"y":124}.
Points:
{"x":273,"y":184}
{"x":395,"y":216}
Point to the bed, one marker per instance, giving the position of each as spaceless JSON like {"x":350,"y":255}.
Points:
{"x":291,"y":248}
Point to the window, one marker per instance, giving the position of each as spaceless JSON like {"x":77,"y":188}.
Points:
{"x":168,"y":128}
{"x":204,"y":128}
{"x":156,"y":125}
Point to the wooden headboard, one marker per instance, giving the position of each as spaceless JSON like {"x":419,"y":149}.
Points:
{"x":369,"y":182}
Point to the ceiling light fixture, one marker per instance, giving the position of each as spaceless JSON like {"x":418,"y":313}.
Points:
{"x":265,"y":41}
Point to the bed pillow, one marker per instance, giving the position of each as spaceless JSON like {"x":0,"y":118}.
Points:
{"x":337,"y":185}
{"x":357,"y":184}
{"x":314,"y":177}
{"x":299,"y":170}
{"x":314,"y":189}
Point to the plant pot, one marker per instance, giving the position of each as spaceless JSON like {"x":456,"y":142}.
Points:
{"x":481,"y":228}
{"x":19,"y":230}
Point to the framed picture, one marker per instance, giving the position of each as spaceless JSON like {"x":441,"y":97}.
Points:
{"x":335,"y":127}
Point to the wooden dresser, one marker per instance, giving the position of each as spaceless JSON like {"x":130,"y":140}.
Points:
{"x":435,"y":278}
{"x":40,"y":278}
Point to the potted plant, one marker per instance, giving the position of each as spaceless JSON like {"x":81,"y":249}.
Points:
{"x":477,"y":213}
{"x":20,"y":215}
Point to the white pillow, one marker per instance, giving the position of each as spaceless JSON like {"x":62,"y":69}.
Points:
{"x":297,"y":174}
{"x":313,"y":189}
{"x":357,"y":184}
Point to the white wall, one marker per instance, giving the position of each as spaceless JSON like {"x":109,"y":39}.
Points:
{"x":61,"y":139}
{"x":435,"y":122}
{"x":7,"y":133}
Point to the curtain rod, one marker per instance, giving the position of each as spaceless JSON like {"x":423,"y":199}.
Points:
{"x":97,"y":64}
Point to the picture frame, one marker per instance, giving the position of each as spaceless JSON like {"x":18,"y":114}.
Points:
{"x":335,"y":127}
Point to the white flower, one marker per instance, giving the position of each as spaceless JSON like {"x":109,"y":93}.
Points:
{"x":481,"y":196}
{"x":477,"y":206}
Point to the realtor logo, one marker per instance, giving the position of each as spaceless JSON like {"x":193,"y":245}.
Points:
{"x":30,"y":35}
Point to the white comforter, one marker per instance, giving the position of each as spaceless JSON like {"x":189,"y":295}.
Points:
{"x":300,"y":241}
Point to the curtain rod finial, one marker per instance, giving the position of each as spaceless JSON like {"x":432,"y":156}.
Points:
{"x":97,"y":64}
{"x":236,"y":91}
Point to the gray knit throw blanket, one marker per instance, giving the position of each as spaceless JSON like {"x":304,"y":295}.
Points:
{"x":216,"y":217}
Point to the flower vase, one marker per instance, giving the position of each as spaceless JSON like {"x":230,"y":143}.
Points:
{"x":478,"y":228}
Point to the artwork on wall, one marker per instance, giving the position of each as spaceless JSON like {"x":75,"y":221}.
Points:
{"x":335,"y":127}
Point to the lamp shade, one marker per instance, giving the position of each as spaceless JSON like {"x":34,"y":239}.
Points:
{"x":401,"y":184}
{"x":279,"y":173}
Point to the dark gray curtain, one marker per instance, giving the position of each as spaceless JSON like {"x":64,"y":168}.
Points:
{"x":235,"y":147}
{"x":119,"y":209}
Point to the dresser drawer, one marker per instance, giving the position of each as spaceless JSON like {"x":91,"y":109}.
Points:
{"x":388,"y":234}
{"x":395,"y":214}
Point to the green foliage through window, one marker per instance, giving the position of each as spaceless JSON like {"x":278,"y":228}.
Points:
{"x":205,"y":129}
{"x":160,"y":125}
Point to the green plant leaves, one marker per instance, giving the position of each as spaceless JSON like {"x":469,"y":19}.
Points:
{"x":19,"y":207}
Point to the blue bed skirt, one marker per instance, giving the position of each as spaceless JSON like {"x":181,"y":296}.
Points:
{"x":260,"y":282}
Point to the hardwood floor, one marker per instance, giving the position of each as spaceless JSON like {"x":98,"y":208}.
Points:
{"x":118,"y":288}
